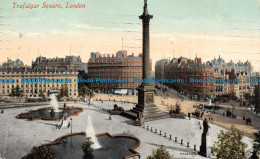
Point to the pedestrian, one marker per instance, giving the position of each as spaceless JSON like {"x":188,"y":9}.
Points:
{"x":199,"y":125}
{"x":189,"y":115}
{"x":202,"y":114}
{"x":2,"y":111}
{"x":69,"y":125}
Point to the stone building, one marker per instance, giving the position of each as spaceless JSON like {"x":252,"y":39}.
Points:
{"x":242,"y":87}
{"x":46,"y":80}
{"x":232,"y":85}
{"x":159,"y":68}
{"x":217,"y":69}
{"x":222,"y":88}
{"x":13,"y":64}
{"x":69,"y":62}
{"x":120,"y":66}
{"x":220,"y":64}
{"x":187,"y":69}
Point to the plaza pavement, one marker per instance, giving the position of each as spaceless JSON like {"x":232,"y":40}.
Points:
{"x":19,"y":136}
{"x":187,"y":106}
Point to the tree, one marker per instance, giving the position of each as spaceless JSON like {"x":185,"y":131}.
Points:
{"x":43,"y":152}
{"x":63,"y":92}
{"x":16,"y":92}
{"x":256,"y":146}
{"x":41,"y":94}
{"x":88,"y":150}
{"x":229,"y":144}
{"x":160,"y":153}
{"x":12,"y":94}
{"x":83,"y":91}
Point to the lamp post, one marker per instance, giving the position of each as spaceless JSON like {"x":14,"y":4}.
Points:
{"x":71,"y":126}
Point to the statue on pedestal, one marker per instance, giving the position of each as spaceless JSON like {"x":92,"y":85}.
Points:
{"x":205,"y":126}
{"x":203,"y":146}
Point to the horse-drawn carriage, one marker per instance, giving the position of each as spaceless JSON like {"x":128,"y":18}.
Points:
{"x":197,"y":113}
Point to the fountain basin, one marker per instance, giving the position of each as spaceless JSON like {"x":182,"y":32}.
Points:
{"x":113,"y":146}
{"x":45,"y":113}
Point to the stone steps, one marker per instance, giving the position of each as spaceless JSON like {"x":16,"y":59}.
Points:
{"x":149,"y":117}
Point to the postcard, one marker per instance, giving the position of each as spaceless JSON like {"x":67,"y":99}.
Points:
{"x":131,"y":79}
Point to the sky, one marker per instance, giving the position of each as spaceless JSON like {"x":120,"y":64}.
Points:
{"x":206,"y":28}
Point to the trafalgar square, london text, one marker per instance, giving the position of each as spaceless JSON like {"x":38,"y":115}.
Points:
{"x":46,"y":5}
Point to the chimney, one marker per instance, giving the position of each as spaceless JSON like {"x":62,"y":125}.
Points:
{"x":140,"y":55}
{"x":100,"y":55}
{"x":133,"y":54}
{"x":108,"y":55}
{"x":104,"y":55}
{"x":124,"y":55}
{"x":96,"y":56}
{"x":113,"y":55}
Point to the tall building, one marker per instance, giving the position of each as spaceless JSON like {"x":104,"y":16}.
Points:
{"x":120,"y":66}
{"x":159,"y":68}
{"x":187,"y":69}
{"x":243,"y":87}
{"x":222,"y":88}
{"x":69,"y":62}
{"x":33,"y":81}
{"x":232,"y":86}
{"x":220,"y":64}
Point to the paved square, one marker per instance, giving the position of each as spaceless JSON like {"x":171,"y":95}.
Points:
{"x":19,"y":136}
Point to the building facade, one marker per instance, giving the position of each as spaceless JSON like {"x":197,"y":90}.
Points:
{"x":12,"y":64}
{"x":222,"y":88}
{"x":34,"y":81}
{"x":242,"y":87}
{"x":220,"y":64}
{"x":159,"y":68}
{"x":69,"y":63}
{"x":189,"y":70}
{"x":120,"y":67}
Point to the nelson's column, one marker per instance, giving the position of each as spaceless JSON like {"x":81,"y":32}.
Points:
{"x":146,"y":106}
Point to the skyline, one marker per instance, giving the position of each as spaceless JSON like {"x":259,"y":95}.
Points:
{"x":203,"y":27}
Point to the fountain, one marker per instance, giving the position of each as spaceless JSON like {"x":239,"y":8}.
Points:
{"x":55,"y":103}
{"x":210,"y":104}
{"x":54,"y":112}
{"x":90,"y":101}
{"x":90,"y":132}
{"x":123,"y":146}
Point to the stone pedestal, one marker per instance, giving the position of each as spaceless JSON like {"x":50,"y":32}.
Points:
{"x":203,"y":146}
